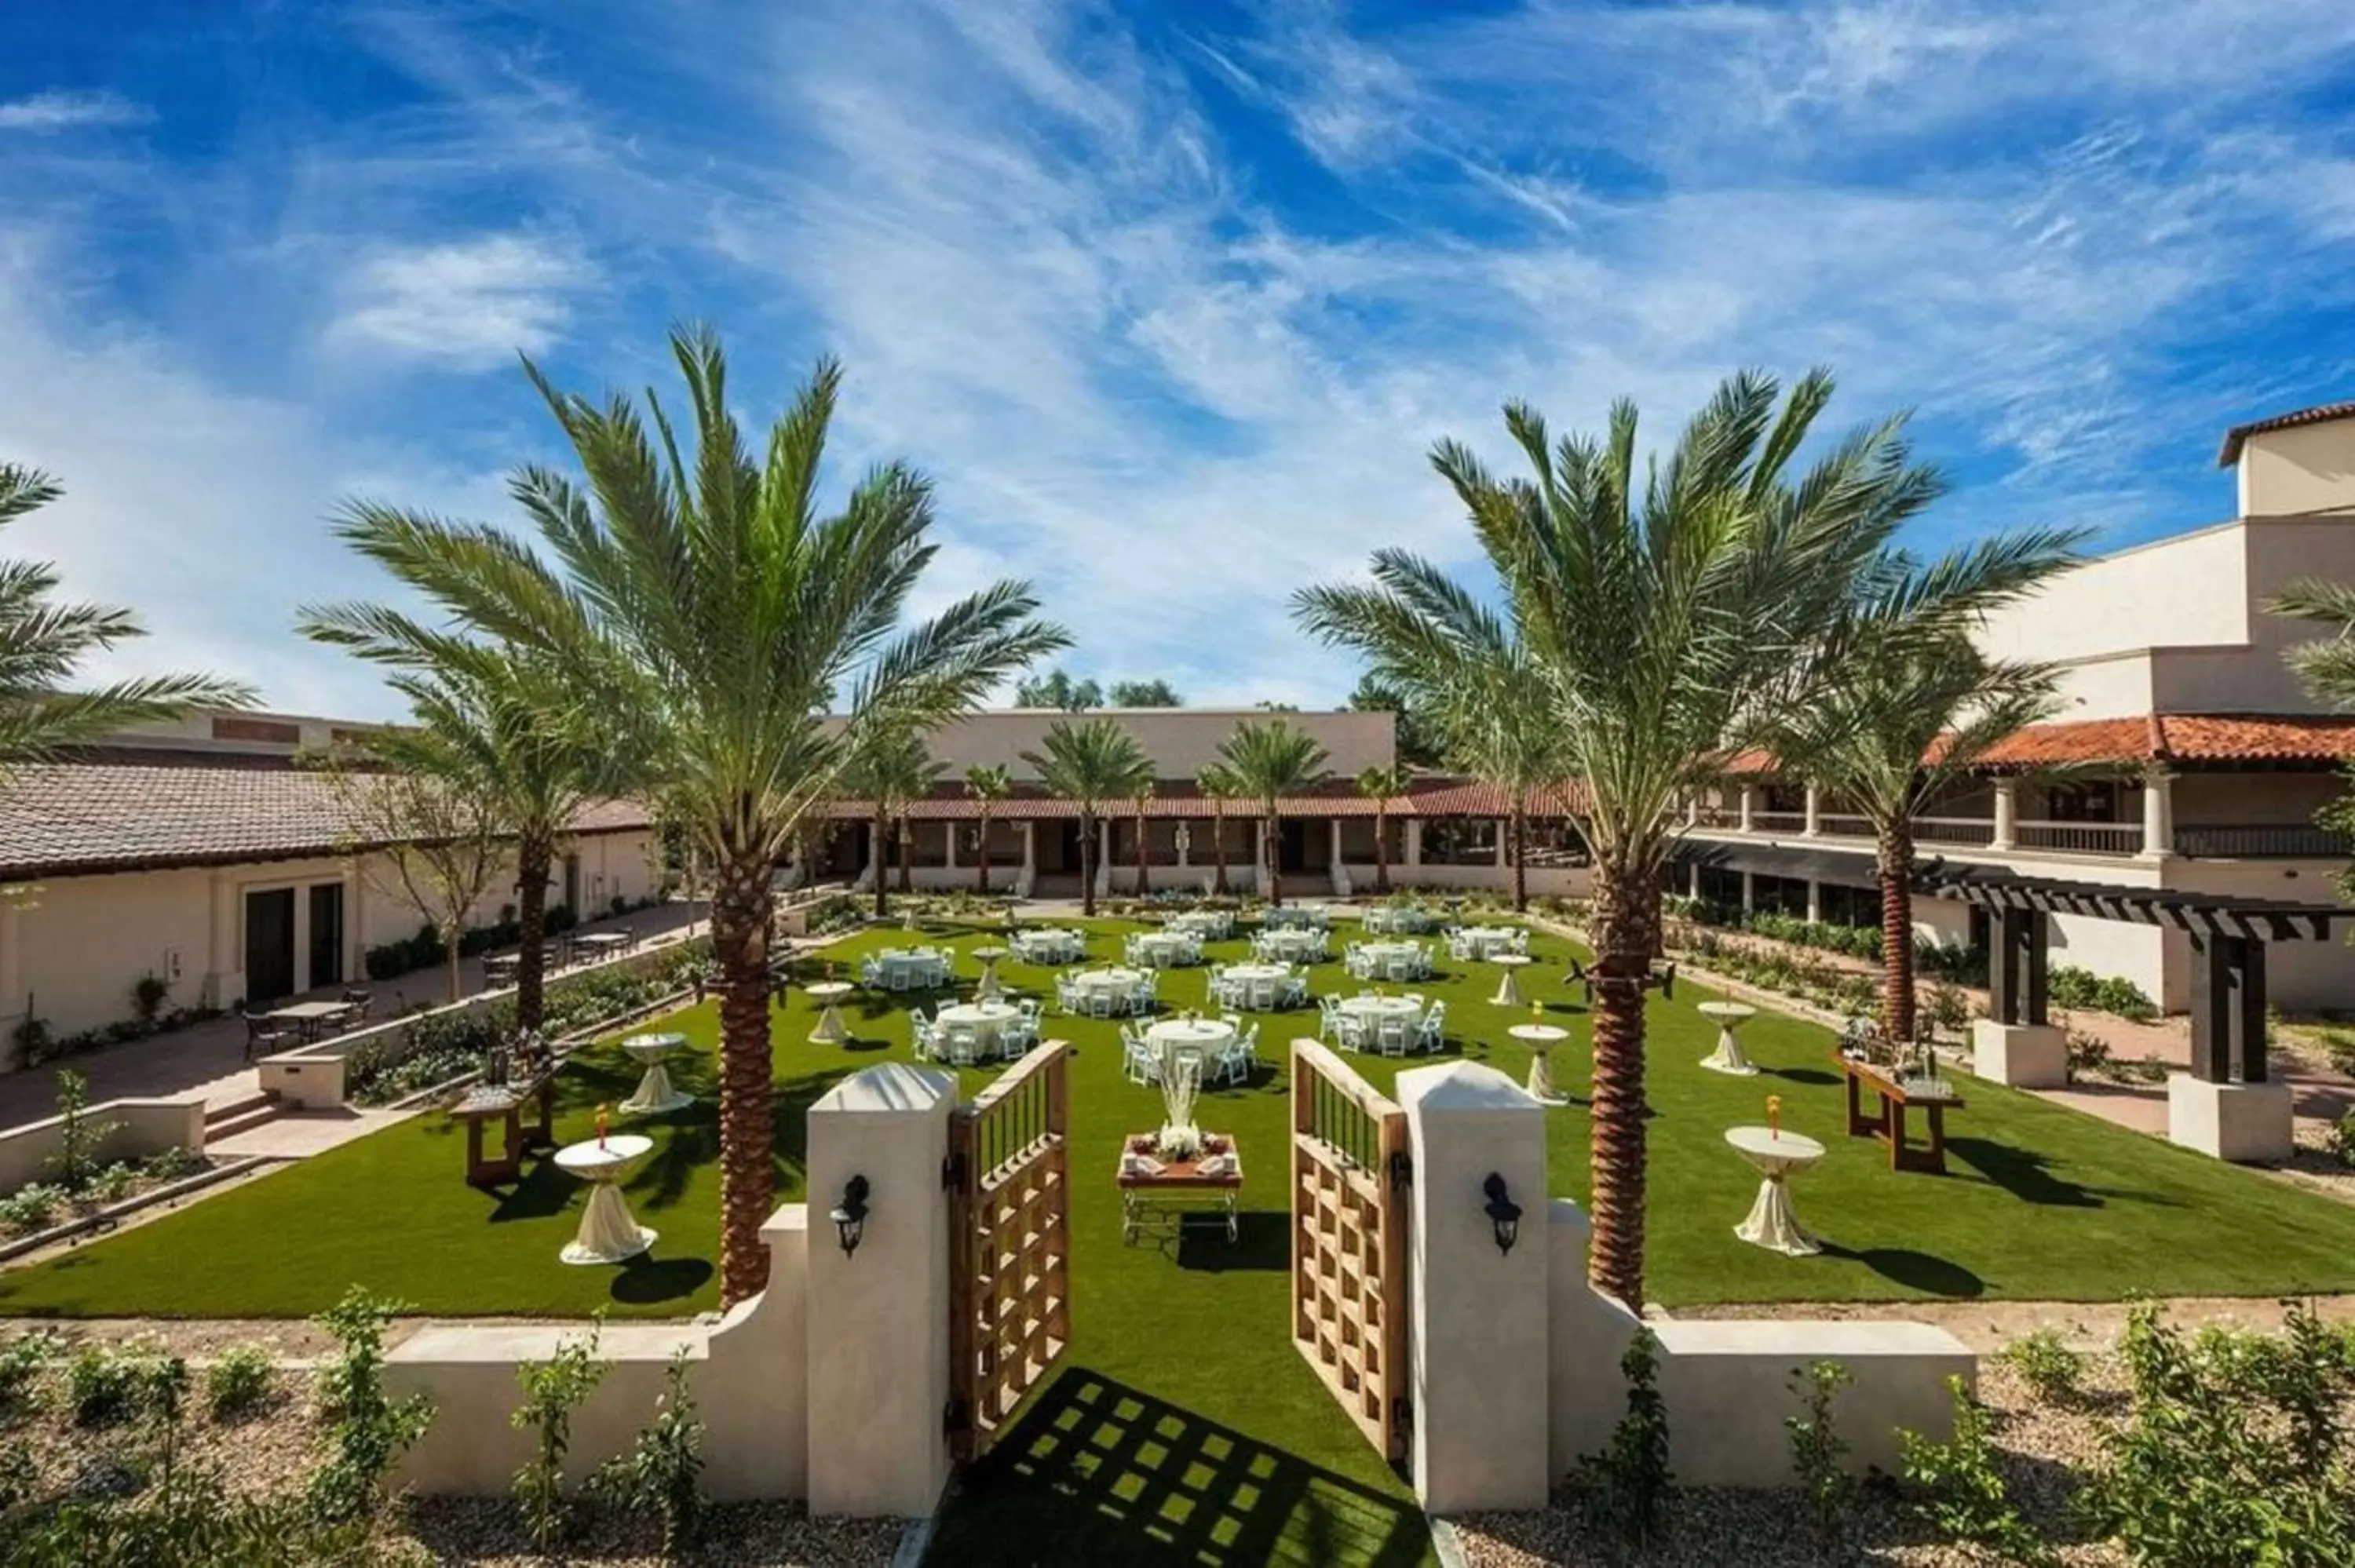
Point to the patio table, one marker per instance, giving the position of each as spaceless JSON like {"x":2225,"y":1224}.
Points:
{"x":1214,"y":924}
{"x":608,"y":1232}
{"x":655,"y":1093}
{"x":505,"y":1104}
{"x":987,"y":958}
{"x":1298,"y":943}
{"x":903,"y":970}
{"x":1050,"y":945}
{"x":986,"y":1019}
{"x":829,"y":995}
{"x":1396,"y":961}
{"x":1203,"y":1037}
{"x":1487,"y":941}
{"x":1144,"y":1191}
{"x":1120,"y":983}
{"x":1729,"y":1016}
{"x":1249,"y":979}
{"x":1778,"y":1156}
{"x":1404,"y":922}
{"x":1373,"y":1012}
{"x":1541,"y":1039}
{"x":1312,"y":916}
{"x":310,"y":1017}
{"x":1508,"y":994}
{"x":1168,"y":949}
{"x":604,"y":944}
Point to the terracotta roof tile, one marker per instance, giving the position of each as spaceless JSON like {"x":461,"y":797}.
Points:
{"x":2156,"y":737}
{"x":2321,"y":414}
{"x":66,"y":818}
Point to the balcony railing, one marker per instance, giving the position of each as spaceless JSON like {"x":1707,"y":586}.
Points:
{"x":2083,"y":838}
{"x":1843,"y":825}
{"x":2261,"y":840}
{"x":1952,"y":831}
{"x":1778,"y":822}
{"x":1716,"y":817}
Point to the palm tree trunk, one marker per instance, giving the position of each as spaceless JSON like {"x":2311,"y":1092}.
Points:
{"x":1520,"y":828}
{"x":1271,"y":838}
{"x":981,"y":872}
{"x":1088,"y":863}
{"x":740,"y":937}
{"x":879,"y":856}
{"x":1895,"y":864}
{"x":1143,"y":860}
{"x":1218,"y":847}
{"x":907,"y":856}
{"x":1626,"y":929}
{"x":1381,"y":850}
{"x":534,"y":854}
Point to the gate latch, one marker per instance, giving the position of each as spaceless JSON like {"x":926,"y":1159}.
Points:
{"x":953,"y":1173}
{"x":1401,"y":1170}
{"x":956,"y":1418}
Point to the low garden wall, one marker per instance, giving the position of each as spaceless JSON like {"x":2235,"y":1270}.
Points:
{"x":140,"y":1129}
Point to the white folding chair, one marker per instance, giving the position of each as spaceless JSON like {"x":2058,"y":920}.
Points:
{"x":1432,"y":1034}
{"x":1391,"y":1037}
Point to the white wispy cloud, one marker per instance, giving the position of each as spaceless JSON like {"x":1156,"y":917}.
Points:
{"x":464,"y":304}
{"x":45,"y":114}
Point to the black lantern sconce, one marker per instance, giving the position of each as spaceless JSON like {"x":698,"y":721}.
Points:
{"x":850,"y":1216}
{"x":1504,"y":1215}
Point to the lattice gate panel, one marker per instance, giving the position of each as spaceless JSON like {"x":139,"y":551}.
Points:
{"x":1010,"y":1245}
{"x":1349,"y":1242}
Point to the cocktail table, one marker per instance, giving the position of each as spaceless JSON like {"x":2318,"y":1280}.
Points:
{"x":608,"y":1232}
{"x":1729,"y":1016}
{"x":1541,"y":1038}
{"x":655,"y":1093}
{"x":1778,"y":1156}
{"x":829,"y":995}
{"x":1508,"y":994}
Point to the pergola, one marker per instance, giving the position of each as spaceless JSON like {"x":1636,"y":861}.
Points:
{"x":2229,"y":936}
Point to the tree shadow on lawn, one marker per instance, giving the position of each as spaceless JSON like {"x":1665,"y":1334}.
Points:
{"x":1931,"y":1274}
{"x":1814,"y":1077}
{"x":2028,"y":1176}
{"x":1262,"y":1243}
{"x":1100,"y":1472}
{"x":644,"y":1281}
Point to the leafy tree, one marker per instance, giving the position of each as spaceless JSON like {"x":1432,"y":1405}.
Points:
{"x":1089,"y":763}
{"x":1056,"y":689}
{"x":1901,"y":724}
{"x":699,"y":588}
{"x":2326,"y":667}
{"x":1218,"y":785}
{"x":1416,"y":746}
{"x":498,"y":724}
{"x":891,"y":772}
{"x":987,"y":784}
{"x":1673,"y":611}
{"x":1382,"y":786}
{"x":1269,"y":762}
{"x":43,"y":643}
{"x":1155,"y":693}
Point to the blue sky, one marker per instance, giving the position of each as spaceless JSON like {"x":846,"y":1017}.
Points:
{"x":1171,"y":298}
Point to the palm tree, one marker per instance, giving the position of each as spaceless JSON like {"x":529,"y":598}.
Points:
{"x":987,"y":783}
{"x":892,"y":772}
{"x":2326,"y":667}
{"x":1088,"y":764}
{"x":42,"y":642}
{"x":1382,"y":786}
{"x":1270,"y":762}
{"x":505,"y":729}
{"x":1506,"y":735}
{"x":1901,"y":724}
{"x":1671,"y":611}
{"x":716,"y":609}
{"x":1219,"y":786}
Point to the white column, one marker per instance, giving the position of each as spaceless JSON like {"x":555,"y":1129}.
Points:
{"x":223,"y":974}
{"x":1692,"y":879}
{"x":1815,"y":819}
{"x":2007,"y":814}
{"x":1504,"y":830}
{"x":12,"y":966}
{"x":1749,"y":803}
{"x":1749,"y":891}
{"x":1815,"y":900}
{"x":1335,"y":821}
{"x":878,"y":1317}
{"x":2157,"y":814}
{"x":1029,"y":850}
{"x":1184,"y":843}
{"x":1414,"y":841}
{"x":948,"y":837}
{"x":1692,"y":809}
{"x":355,"y":926}
{"x":1479,"y":1349}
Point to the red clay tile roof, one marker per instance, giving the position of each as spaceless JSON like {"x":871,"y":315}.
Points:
{"x":2321,"y":414}
{"x":2156,"y":737}
{"x":72,"y":817}
{"x":1180,"y":798}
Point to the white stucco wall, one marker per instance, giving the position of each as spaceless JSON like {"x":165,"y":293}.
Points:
{"x":2303,"y":470}
{"x":1181,"y":741}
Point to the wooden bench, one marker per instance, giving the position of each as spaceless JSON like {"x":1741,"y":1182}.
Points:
{"x":1888,"y":1121}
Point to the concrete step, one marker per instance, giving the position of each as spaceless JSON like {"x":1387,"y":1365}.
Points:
{"x":253,"y":1099}
{"x":244,"y":1121}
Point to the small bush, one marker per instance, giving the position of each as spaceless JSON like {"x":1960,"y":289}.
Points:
{"x":2054,"y":1372}
{"x":174,"y":1164}
{"x":1957,"y":1491}
{"x":22,"y":1358}
{"x":1625,"y":1488}
{"x":32,"y":1207}
{"x":2083,"y":990}
{"x":367,"y":1430}
{"x":105,"y":1385}
{"x":240,"y":1382}
{"x":1818,"y":1454}
{"x":2342,"y":1139}
{"x":552,"y":1390}
{"x":661,"y":1473}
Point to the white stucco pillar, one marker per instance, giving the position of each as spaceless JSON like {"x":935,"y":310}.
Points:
{"x":12,"y":967}
{"x":1504,"y":846}
{"x":355,"y":943}
{"x":1749,"y":891}
{"x":878,"y":1317}
{"x":2157,"y":814}
{"x":1414,"y":841}
{"x":2007,"y":814}
{"x":1183,"y":842}
{"x":224,"y":973}
{"x":1335,"y":822}
{"x":1692,"y":809}
{"x":1029,"y":850}
{"x":1815,"y":901}
{"x":948,"y":839}
{"x":1479,"y":1353}
{"x":1692,"y":879}
{"x":1815,"y":827}
{"x":1749,"y":804}
{"x":1104,"y":856}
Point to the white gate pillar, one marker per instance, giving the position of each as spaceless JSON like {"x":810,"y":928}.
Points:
{"x":1479,"y":1325}
{"x":878,"y":1317}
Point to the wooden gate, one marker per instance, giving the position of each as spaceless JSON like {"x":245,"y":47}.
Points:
{"x":1010,"y":1245}
{"x":1350,"y":1174}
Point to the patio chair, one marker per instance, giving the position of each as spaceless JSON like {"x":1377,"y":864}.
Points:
{"x":965,"y":1047}
{"x":1231,"y":1064}
{"x":871,"y":973}
{"x":266,"y":1036}
{"x":361,"y":1003}
{"x":1329,"y":1018}
{"x":1140,"y":1061}
{"x":1432,"y":1033}
{"x":1391,"y":1037}
{"x":1352,"y":1030}
{"x":1103,"y":1002}
{"x":1262,"y":995}
{"x":1295,"y":990}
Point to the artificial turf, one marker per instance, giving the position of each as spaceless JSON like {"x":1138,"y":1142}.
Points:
{"x":1201,"y":1431}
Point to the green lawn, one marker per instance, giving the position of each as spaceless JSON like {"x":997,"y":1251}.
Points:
{"x":1180,"y":1376}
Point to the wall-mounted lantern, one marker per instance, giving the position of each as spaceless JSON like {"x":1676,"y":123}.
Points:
{"x":1504,"y":1215}
{"x":850,"y":1216}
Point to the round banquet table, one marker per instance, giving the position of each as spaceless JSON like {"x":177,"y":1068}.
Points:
{"x":1050,"y":945}
{"x":1778,"y":1156}
{"x":1541,"y":1038}
{"x":1373,"y":1012}
{"x":608,"y":1232}
{"x":1380,"y":954}
{"x":1729,"y":1016}
{"x":1508,"y":994}
{"x":1214,"y":923}
{"x":828,"y":994}
{"x":1166,"y":950}
{"x":1250,"y":976}
{"x":987,"y":958}
{"x":986,"y":1019}
{"x":654,"y":1094}
{"x":1487,"y":941}
{"x":902,"y":970}
{"x":1291,"y":942}
{"x":1119,"y":982}
{"x":1203,"y":1037}
{"x":1405,"y":922}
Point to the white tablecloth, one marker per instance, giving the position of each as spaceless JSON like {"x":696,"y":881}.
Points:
{"x":1773,"y":1223}
{"x":1205,"y":1037}
{"x":1382,"y":918}
{"x":1487,"y":941}
{"x":1244,"y":979}
{"x":902,"y":968}
{"x":988,"y":1019}
{"x":1165,"y":948}
{"x":1382,"y":955}
{"x":1118,"y":982}
{"x":1303,"y":942}
{"x":1048,"y":945}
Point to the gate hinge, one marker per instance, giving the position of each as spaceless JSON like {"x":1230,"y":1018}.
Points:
{"x":953,"y":1173}
{"x":956,"y":1418}
{"x":1401,"y":1170}
{"x":1402,"y":1419}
